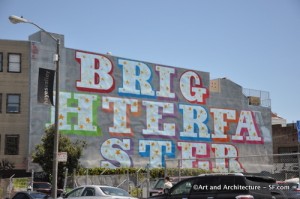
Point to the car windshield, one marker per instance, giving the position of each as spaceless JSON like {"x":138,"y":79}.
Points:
{"x":41,"y":185}
{"x":114,"y":191}
{"x":39,"y":195}
{"x":159,"y":184}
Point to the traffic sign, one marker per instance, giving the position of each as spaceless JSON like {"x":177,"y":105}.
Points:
{"x":62,"y":156}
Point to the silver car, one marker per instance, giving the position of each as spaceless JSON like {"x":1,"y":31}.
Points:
{"x":98,"y":192}
{"x":30,"y":195}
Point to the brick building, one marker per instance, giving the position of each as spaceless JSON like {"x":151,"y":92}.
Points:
{"x":285,"y":141}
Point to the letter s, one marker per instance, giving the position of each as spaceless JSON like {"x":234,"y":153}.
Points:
{"x":113,"y":150}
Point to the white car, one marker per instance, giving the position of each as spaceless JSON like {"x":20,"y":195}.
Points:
{"x":98,"y":192}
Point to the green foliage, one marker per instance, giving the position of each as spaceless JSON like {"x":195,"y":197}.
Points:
{"x":43,"y":154}
{"x":154,"y":172}
{"x":21,"y":183}
{"x":136,"y":192}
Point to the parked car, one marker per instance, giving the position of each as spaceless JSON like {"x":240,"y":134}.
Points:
{"x":291,"y":188}
{"x":224,"y":186}
{"x":30,"y":195}
{"x":44,"y":187}
{"x":101,"y":191}
{"x":158,"y":186}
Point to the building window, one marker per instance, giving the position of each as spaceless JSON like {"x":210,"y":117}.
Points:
{"x":13,"y":103}
{"x":12,"y":144}
{"x":1,"y":62}
{"x":14,"y":62}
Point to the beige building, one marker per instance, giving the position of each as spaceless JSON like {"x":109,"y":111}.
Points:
{"x":14,"y":102}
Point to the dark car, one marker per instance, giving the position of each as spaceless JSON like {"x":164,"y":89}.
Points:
{"x":291,"y":189}
{"x":158,"y":186}
{"x":30,"y":195}
{"x":224,"y":186}
{"x":45,"y":187}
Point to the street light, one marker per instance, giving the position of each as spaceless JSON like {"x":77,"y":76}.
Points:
{"x":15,"y":19}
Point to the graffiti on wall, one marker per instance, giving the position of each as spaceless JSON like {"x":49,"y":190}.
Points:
{"x":153,"y":112}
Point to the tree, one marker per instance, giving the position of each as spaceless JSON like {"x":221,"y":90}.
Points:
{"x":43,"y":154}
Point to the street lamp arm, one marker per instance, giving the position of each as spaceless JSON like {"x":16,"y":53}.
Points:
{"x":15,"y":19}
{"x":56,"y":39}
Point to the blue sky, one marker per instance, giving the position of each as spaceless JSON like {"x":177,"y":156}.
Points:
{"x":256,"y":43}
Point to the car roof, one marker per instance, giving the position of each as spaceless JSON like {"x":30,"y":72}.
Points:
{"x":28,"y":192}
{"x":32,"y":192}
{"x":98,"y":185}
{"x":221,"y":174}
{"x":295,"y":180}
{"x":249,"y":177}
{"x":95,"y":185}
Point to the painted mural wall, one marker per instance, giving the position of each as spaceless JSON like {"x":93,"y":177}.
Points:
{"x":135,"y":113}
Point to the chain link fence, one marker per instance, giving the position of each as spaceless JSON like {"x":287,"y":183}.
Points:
{"x":139,"y":184}
{"x":278,"y":166}
{"x":262,"y":96}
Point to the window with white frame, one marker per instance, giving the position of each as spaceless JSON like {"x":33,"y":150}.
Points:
{"x":13,"y":103}
{"x":11,"y":144}
{"x":14,"y":62}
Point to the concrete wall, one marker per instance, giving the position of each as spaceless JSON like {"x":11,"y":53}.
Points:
{"x":134,"y":113}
